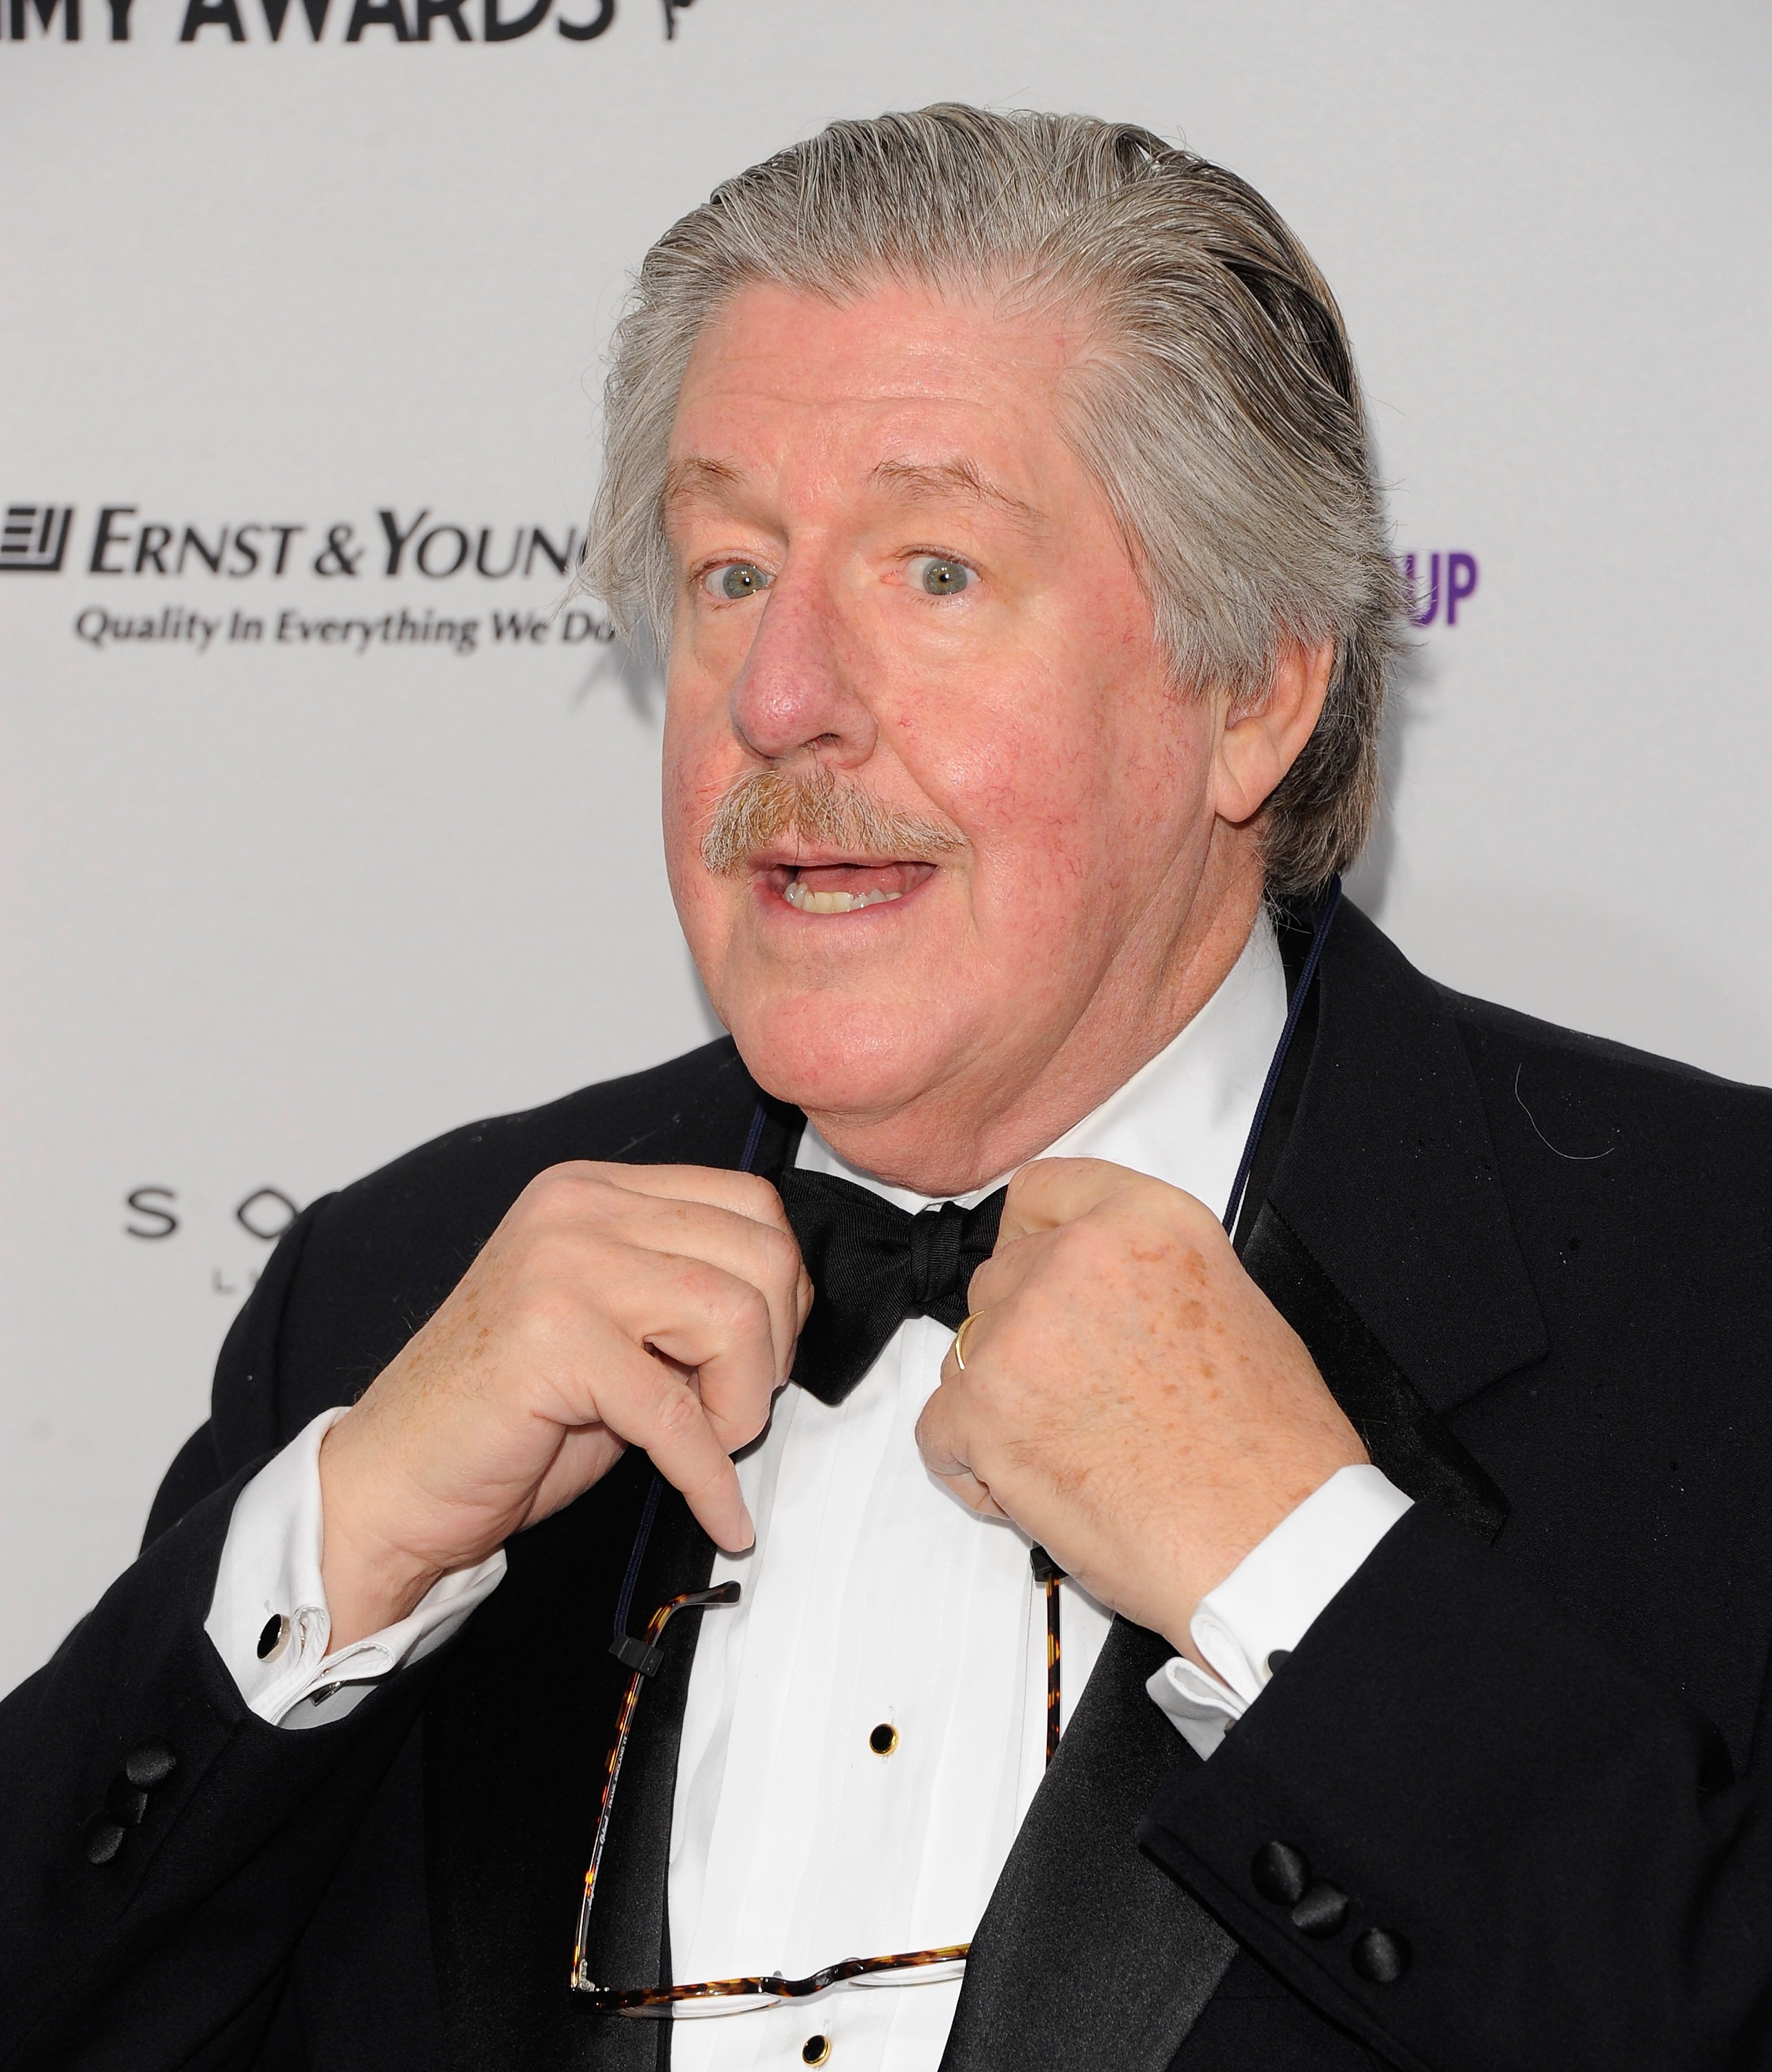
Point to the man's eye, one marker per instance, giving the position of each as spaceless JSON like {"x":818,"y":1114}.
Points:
{"x":736,"y":580}
{"x":940,"y":577}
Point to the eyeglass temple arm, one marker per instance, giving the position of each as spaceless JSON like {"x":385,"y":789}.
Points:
{"x":645,"y":1657}
{"x":1047,"y":1572}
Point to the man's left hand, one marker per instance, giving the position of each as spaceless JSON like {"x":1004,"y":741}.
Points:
{"x":1130,"y":1398}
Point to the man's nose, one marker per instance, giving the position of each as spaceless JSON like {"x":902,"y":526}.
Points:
{"x":796,"y":691}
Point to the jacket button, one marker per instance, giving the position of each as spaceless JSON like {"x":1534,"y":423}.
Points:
{"x":149,"y":1764}
{"x":1320,"y":1912}
{"x":104,"y":1839}
{"x":1379,"y":1957}
{"x":1280,"y":1872}
{"x":125,"y":1804}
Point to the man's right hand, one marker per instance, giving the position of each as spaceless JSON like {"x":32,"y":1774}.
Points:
{"x":615,"y":1306}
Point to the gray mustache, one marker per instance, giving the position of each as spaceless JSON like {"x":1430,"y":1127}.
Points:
{"x":765,"y":805}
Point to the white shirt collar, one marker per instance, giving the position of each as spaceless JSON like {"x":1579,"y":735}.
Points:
{"x":1183,"y":1117}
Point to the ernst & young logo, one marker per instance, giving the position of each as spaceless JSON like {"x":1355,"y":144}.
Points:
{"x":33,"y":537}
{"x":331,"y":20}
{"x":126,"y":554}
{"x":402,"y":540}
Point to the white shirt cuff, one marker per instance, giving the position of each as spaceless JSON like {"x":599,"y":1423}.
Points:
{"x":268,"y":1620}
{"x":1247,"y":1626}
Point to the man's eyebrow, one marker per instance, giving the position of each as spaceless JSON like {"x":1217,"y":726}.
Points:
{"x":694,"y":475}
{"x":930,"y":481}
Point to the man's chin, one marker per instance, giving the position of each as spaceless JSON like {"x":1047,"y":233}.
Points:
{"x":846,"y":1058}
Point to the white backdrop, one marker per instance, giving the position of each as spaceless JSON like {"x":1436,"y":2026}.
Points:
{"x":276,"y":908}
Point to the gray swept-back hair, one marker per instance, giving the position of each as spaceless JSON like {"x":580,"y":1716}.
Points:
{"x":1219,"y":411}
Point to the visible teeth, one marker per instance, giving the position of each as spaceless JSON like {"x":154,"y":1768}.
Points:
{"x":797,"y":893}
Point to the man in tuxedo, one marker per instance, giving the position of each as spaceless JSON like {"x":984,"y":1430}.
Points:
{"x":1363,"y":1384}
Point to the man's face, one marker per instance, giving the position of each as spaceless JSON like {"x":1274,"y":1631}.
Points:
{"x":892,"y":566}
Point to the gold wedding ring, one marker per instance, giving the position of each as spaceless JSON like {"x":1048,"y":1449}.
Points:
{"x":959,"y":1341}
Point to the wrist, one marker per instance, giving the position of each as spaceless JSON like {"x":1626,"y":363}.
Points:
{"x":1243,"y":1527}
{"x":369,"y":1592}
{"x":370,"y":1581}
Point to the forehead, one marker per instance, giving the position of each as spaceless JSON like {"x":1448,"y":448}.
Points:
{"x":902,"y":390}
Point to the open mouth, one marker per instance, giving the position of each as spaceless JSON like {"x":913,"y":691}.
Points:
{"x":845,"y":888}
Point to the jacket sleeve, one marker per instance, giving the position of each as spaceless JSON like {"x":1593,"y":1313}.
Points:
{"x":1461,"y":1827}
{"x":162,"y":1849}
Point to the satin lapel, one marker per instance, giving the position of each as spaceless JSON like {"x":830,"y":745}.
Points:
{"x":1089,"y":1956}
{"x":515,"y":1739}
{"x":1401,"y":1433}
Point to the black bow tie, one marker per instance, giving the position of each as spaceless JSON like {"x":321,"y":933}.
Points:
{"x":872,"y":1266}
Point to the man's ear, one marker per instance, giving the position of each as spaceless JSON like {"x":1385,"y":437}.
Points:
{"x":1261,"y":738}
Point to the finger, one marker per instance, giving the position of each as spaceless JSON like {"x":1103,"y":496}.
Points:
{"x":586,"y":1456}
{"x":743,"y":1193}
{"x":976,"y":1328}
{"x":749,"y":1250}
{"x":714,"y":1325}
{"x":939,"y":1430}
{"x":939,"y":1444}
{"x":1050,"y":1192}
{"x":1000,"y":1275}
{"x":648,"y":1406}
{"x":717,"y":1324}
{"x":970,"y":1491}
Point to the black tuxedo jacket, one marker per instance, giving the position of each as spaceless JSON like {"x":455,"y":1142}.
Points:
{"x":1535,"y":1266}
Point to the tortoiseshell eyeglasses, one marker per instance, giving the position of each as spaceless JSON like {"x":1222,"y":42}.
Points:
{"x":645,"y":1657}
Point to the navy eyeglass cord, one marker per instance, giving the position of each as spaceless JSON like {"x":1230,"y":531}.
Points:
{"x":634,"y":1652}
